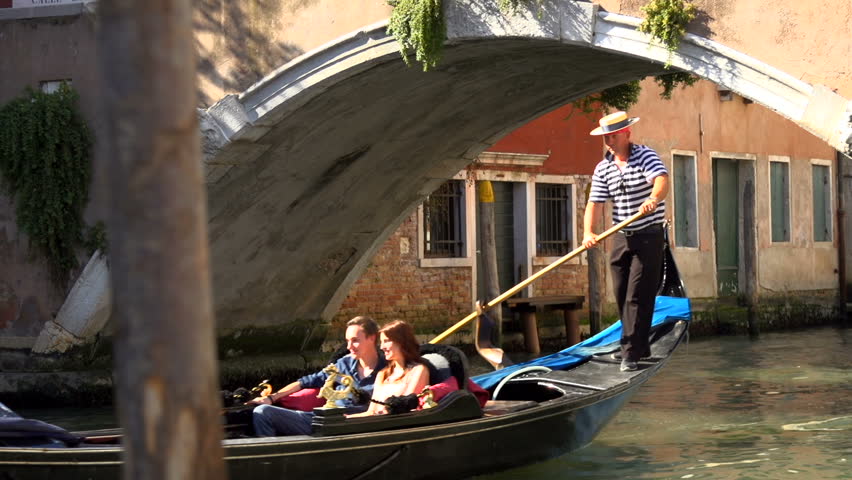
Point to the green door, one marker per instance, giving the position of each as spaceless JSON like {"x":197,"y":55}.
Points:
{"x":726,"y":215}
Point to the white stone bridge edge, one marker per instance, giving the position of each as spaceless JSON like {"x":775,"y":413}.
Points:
{"x":237,"y":121}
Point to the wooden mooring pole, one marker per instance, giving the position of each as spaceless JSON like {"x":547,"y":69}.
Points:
{"x":597,"y":280}
{"x":165,"y":367}
{"x":488,"y":254}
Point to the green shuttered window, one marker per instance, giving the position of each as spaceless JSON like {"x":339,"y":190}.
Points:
{"x":822,"y":203}
{"x":685,"y":209}
{"x":779,"y":184}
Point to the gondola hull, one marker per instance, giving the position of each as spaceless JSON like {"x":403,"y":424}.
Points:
{"x":544,"y":408}
{"x":499,"y":440}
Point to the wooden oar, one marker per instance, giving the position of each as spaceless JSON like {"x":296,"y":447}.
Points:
{"x":508,"y":293}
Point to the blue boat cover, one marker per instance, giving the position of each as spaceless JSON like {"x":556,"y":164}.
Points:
{"x":666,"y":309}
{"x":16,"y":431}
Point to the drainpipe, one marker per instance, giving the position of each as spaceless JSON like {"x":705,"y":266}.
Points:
{"x":841,"y":236}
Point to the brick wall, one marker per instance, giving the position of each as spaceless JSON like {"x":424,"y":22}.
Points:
{"x":394,"y":286}
{"x":564,"y":280}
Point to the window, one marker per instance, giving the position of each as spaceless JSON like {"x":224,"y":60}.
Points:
{"x":553,"y":219}
{"x":822,"y":203}
{"x":444,"y":220}
{"x":52,"y":86}
{"x":685,"y":211}
{"x":779,"y":185}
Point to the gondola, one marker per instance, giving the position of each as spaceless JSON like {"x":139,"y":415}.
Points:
{"x":538,"y":410}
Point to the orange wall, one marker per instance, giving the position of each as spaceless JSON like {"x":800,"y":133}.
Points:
{"x":728,"y":126}
{"x":564,"y":134}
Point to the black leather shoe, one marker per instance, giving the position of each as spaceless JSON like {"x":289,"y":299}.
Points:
{"x":628,"y":366}
{"x":615,"y":356}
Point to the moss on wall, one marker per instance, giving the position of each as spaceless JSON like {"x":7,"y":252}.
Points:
{"x":295,"y":336}
{"x":715,"y":318}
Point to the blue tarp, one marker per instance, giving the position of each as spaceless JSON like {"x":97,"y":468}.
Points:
{"x":666,"y":309}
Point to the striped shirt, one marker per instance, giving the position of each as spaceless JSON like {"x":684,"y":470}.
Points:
{"x":629,"y":188}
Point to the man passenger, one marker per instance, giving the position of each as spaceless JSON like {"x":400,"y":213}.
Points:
{"x":362,"y":363}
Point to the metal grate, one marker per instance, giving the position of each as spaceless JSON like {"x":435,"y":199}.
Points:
{"x":553,"y":214}
{"x":443,"y":221}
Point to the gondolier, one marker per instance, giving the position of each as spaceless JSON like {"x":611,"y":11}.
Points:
{"x":635,"y":179}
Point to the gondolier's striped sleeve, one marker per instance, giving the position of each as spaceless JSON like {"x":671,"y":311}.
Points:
{"x":652,"y":166}
{"x":599,"y":193}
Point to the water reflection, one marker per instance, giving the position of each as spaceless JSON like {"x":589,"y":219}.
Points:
{"x":723,"y":408}
{"x":730,"y":408}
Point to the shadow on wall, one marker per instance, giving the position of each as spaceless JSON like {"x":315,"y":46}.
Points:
{"x":236,"y":43}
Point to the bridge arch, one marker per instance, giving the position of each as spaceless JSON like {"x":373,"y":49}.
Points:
{"x":311,"y":168}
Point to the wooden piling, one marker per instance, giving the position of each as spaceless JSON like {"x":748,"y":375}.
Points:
{"x":165,"y":366}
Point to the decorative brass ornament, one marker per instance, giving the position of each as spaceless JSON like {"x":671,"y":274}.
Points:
{"x":429,"y":398}
{"x":263,"y":389}
{"x":329,"y":393}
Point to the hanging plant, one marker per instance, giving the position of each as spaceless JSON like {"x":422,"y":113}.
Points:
{"x":45,"y":168}
{"x":670,"y":81}
{"x":418,"y":26}
{"x":666,"y":21}
{"x":620,"y":97}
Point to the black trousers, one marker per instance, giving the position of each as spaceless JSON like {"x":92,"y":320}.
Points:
{"x":636,"y":262}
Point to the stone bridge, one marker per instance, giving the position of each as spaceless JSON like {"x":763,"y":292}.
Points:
{"x":311,"y":168}
{"x":318,"y":139}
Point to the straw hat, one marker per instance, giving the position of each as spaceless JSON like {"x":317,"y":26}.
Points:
{"x":613,"y":123}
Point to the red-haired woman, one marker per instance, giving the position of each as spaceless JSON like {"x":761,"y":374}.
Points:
{"x":405,"y":372}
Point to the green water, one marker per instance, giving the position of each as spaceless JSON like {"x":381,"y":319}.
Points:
{"x":779,"y":407}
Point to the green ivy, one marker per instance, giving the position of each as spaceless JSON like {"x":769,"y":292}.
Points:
{"x":45,"y":167}
{"x":666,"y":21}
{"x":670,"y":81}
{"x":418,"y":25}
{"x":620,"y":97}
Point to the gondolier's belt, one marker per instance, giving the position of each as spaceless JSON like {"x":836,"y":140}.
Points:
{"x":654,"y":228}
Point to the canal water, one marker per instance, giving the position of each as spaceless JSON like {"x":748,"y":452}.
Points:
{"x":777,"y":407}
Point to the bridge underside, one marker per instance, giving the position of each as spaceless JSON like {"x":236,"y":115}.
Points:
{"x":338,"y":173}
{"x":314,"y":166}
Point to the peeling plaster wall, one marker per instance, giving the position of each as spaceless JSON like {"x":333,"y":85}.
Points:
{"x":809,"y":40}
{"x":34,"y":51}
{"x":27,"y":296}
{"x":240,"y":42}
{"x":736,"y":127}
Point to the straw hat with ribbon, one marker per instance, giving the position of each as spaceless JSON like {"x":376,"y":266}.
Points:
{"x":613,"y":123}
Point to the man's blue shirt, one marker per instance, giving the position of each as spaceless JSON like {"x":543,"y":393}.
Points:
{"x":347,"y":365}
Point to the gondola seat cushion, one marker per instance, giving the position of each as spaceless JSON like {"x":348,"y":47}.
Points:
{"x":304,"y":400}
{"x":440,"y":390}
{"x":444,"y":361}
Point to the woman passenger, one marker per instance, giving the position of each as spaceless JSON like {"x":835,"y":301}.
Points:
{"x":405,"y":372}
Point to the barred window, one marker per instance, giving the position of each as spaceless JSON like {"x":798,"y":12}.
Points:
{"x":553,"y":219}
{"x":443,"y":221}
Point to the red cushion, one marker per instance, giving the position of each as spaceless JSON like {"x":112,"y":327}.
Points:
{"x":481,"y":394}
{"x":305,"y":400}
{"x":439,"y":390}
{"x":451,"y":385}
